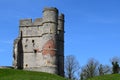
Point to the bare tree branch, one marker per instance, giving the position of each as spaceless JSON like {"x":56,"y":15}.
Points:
{"x":71,"y":66}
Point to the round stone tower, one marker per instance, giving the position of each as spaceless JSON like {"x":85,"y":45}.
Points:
{"x":49,"y":49}
{"x":60,"y":43}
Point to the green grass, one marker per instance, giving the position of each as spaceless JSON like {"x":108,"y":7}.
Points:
{"x":12,"y":74}
{"x":107,"y":77}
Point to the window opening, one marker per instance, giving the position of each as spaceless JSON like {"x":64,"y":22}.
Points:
{"x":26,"y":40}
{"x":25,"y":46}
{"x":32,"y":41}
{"x":35,"y":51}
{"x":26,"y":65}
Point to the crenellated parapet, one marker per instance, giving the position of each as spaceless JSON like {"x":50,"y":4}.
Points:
{"x":30,"y":22}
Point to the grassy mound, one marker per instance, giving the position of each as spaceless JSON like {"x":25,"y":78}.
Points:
{"x":12,"y":74}
{"x":107,"y":77}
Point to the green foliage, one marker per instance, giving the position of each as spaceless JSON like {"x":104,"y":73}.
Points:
{"x":115,"y":67}
{"x":12,"y":74}
{"x":107,"y":77}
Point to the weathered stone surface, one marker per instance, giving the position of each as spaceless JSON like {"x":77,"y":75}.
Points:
{"x":40,"y":44}
{"x":49,"y":48}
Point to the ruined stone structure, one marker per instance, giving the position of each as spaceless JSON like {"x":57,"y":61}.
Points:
{"x":40,"y":44}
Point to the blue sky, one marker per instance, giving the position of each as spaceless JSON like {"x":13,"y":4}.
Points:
{"x":92,"y":27}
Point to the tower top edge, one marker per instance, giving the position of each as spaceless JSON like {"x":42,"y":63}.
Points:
{"x":50,"y":9}
{"x":61,"y":16}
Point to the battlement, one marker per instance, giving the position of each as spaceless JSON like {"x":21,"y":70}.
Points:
{"x":50,"y":15}
{"x":30,"y":22}
{"x":26,"y":22}
{"x":38,"y":21}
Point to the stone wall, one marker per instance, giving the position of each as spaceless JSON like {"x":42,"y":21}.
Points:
{"x":40,"y":44}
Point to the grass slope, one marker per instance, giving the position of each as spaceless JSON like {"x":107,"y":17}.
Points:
{"x":11,"y":74}
{"x":107,"y":77}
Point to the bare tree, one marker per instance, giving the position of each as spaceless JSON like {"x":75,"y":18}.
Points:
{"x":89,"y":70}
{"x":71,"y":67}
{"x":104,"y":69}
